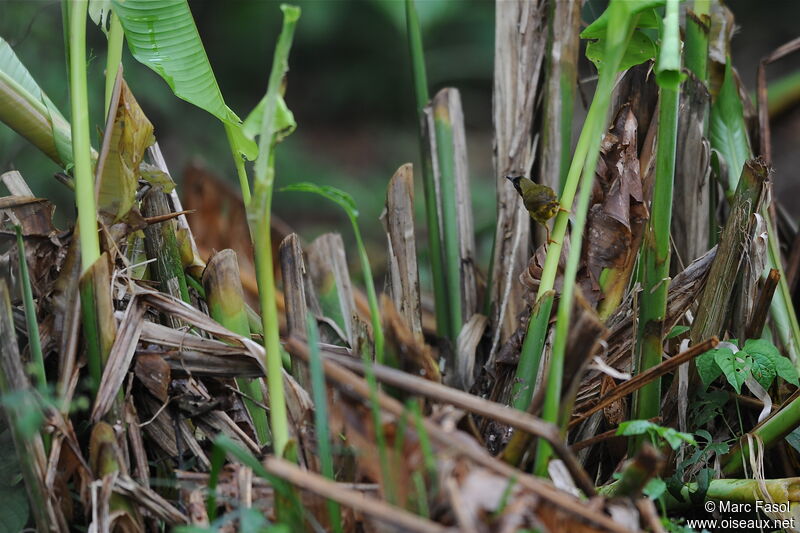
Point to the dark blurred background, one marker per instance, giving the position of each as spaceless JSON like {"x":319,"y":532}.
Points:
{"x":349,"y":87}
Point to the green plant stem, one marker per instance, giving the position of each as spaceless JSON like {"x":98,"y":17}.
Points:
{"x":443,"y":130}
{"x":259,"y":211}
{"x":321,"y":418}
{"x":372,"y":299}
{"x":771,"y":432}
{"x":114,"y":57}
{"x":648,"y":350}
{"x":584,"y":158}
{"x":431,"y":214}
{"x":238,"y":161}
{"x":656,"y":259}
{"x":697,"y":27}
{"x":34,"y":342}
{"x":81,"y":144}
{"x":781,"y":307}
{"x":583,"y":166}
{"x":522,"y":390}
{"x":217,"y":462}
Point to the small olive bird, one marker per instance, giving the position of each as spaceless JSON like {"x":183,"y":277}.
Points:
{"x":540,"y":200}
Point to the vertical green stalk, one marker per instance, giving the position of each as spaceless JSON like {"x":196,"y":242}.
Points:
{"x":321,"y":418}
{"x":113,"y":57}
{"x":621,"y":25}
{"x":656,"y":251}
{"x":372,"y":299}
{"x":238,"y":161}
{"x":259,"y":211}
{"x":84,"y":181}
{"x":452,"y":258}
{"x":432,"y":218}
{"x":34,"y":342}
{"x":81,"y":143}
{"x":697,"y":27}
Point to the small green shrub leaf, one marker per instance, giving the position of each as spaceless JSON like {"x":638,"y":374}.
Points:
{"x":707,"y":367}
{"x":763,"y":369}
{"x":735,"y":366}
{"x":333,"y":194}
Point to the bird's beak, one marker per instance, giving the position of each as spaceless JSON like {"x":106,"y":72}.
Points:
{"x":510,"y":178}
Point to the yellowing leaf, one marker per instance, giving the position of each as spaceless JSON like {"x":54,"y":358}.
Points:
{"x":121,"y":155}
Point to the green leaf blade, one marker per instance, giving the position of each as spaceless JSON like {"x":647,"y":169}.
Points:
{"x":162,"y":35}
{"x":734,"y":366}
{"x":338,"y":196}
{"x":727,"y":129}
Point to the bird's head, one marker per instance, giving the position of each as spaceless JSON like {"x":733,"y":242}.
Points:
{"x":514,"y":180}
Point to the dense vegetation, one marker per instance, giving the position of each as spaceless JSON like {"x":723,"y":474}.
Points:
{"x":619,"y":367}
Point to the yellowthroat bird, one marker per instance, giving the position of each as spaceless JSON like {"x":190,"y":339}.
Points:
{"x":540,"y":200}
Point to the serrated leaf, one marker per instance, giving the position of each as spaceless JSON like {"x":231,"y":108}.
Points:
{"x":331,"y":193}
{"x":162,"y":35}
{"x":648,"y":18}
{"x":734,"y":366}
{"x":707,"y":367}
{"x":727,"y":128}
{"x":640,"y":48}
{"x":14,"y":509}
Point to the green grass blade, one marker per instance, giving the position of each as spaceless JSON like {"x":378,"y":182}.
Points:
{"x":346,"y":202}
{"x":34,"y":342}
{"x":417,"y":53}
{"x":321,"y":418}
{"x":446,"y":166}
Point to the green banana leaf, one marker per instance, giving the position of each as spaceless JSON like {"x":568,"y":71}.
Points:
{"x":26,"y":109}
{"x":162,"y":35}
